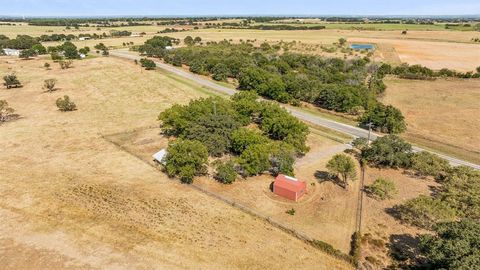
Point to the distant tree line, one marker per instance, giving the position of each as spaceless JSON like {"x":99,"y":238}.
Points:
{"x":418,"y":72}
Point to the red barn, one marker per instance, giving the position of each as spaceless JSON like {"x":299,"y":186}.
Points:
{"x":289,"y":187}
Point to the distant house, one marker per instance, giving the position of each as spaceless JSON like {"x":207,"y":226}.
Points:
{"x":289,"y":187}
{"x":12,"y":52}
{"x":158,"y":157}
{"x":136,"y":35}
{"x":82,"y":56}
{"x":168,"y":47}
{"x":84,"y":38}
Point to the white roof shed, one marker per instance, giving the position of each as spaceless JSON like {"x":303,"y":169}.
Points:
{"x":159,"y":156}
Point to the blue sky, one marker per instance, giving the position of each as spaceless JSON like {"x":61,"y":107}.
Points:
{"x":237,"y":7}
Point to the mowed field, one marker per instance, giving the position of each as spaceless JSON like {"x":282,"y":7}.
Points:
{"x":69,"y":199}
{"x":441,"y":114}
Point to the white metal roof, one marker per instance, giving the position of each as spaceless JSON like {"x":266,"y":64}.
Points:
{"x":160,"y":155}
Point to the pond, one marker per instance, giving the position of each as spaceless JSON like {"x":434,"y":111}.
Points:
{"x":362,"y":46}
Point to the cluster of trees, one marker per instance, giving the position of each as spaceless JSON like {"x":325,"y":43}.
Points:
{"x":21,"y":42}
{"x":189,"y":41}
{"x":334,"y":83}
{"x":123,"y":33}
{"x":452,"y":211}
{"x":155,"y":47}
{"x":260,"y":136}
{"x":66,"y":50}
{"x":418,"y":72}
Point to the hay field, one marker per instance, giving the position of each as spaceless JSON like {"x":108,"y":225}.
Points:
{"x":435,"y":55}
{"x":442,"y":114}
{"x":71,"y":200}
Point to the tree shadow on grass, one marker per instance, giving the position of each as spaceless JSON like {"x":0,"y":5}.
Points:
{"x":323,"y":176}
{"x":404,"y":250}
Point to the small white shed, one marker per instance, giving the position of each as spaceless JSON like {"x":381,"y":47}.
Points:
{"x":158,"y":157}
{"x":11,"y":52}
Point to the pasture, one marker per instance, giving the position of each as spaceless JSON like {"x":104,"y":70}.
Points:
{"x":70,"y":199}
{"x":440,"y":114}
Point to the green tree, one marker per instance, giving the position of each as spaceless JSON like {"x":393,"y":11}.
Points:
{"x":425,"y":163}
{"x":148,"y":64}
{"x":424,"y":212}
{"x":69,"y":50}
{"x":387,"y":119}
{"x":197,"y":39}
{"x":360,"y":143}
{"x":186,"y":158}
{"x":342,"y":165}
{"x":461,"y":189}
{"x":389,"y":151}
{"x":225,"y":172}
{"x":220,"y":72}
{"x":255,"y":159}
{"x":242,"y":138}
{"x":214,"y":131}
{"x":381,"y":189}
{"x":65,"y":104}
{"x":455,"y":245}
{"x":27,"y":53}
{"x":39,"y":49}
{"x":11,"y":81}
{"x":189,"y":41}
{"x":342,"y":41}
{"x":282,"y":159}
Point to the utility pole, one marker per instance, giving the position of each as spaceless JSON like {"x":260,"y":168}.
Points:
{"x":369,"y":131}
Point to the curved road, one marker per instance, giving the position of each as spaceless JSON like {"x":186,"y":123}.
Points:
{"x":314,"y":119}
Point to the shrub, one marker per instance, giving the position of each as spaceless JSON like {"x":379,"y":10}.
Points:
{"x":425,"y":163}
{"x":226,"y":173}
{"x":356,"y":247}
{"x":65,"y":104}
{"x":148,"y":64}
{"x":46,"y":66}
{"x":11,"y":81}
{"x":186,"y":158}
{"x":381,"y":189}
{"x":65,"y":64}
{"x":424,"y":212}
{"x":6,"y":112}
{"x":49,"y":84}
{"x":389,"y":151}
{"x":291,"y":212}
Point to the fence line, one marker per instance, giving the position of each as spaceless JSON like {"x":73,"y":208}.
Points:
{"x":320,"y":245}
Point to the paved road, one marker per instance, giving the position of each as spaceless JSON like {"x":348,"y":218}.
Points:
{"x":314,"y":119}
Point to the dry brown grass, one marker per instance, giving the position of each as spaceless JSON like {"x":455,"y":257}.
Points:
{"x":70,"y":199}
{"x":326,"y":212}
{"x":380,"y":229}
{"x":442,"y":113}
